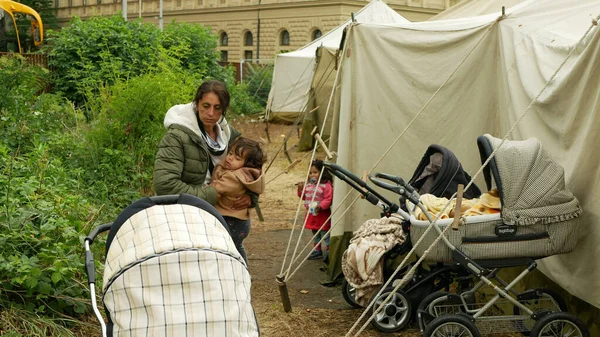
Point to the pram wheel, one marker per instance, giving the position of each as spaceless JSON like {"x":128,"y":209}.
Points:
{"x":453,"y":325}
{"x":349,"y":294}
{"x":559,"y":324}
{"x":394,"y":315}
{"x":435,"y":305}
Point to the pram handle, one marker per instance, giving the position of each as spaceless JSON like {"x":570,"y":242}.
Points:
{"x":99,"y":229}
{"x":401,"y":186}
{"x":362,"y":187}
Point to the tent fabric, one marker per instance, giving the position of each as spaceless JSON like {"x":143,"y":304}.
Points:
{"x":498,"y":67}
{"x":294,"y":71}
{"x":470,"y":8}
{"x":320,"y":92}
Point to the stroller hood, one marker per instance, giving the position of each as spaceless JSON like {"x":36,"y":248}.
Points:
{"x":447,"y":179}
{"x":172,"y":269}
{"x":161,"y":229}
{"x":530,"y":183}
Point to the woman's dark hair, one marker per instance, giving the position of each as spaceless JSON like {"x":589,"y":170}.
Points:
{"x":325,"y":175}
{"x":251,"y":151}
{"x":216,"y":87}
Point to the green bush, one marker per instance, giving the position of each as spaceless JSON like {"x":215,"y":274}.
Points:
{"x":119,"y":145}
{"x":241,"y":101}
{"x":41,"y":222}
{"x":89,"y":54}
{"x":258,"y":82}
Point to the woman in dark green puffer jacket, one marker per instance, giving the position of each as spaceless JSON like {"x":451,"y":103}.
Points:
{"x":197,"y":139}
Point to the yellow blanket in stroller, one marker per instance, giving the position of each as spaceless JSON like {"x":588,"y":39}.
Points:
{"x":487,"y":203}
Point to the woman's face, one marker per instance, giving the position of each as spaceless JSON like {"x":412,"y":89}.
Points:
{"x":209,"y":110}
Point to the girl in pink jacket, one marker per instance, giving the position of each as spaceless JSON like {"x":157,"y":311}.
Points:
{"x":318,"y":207}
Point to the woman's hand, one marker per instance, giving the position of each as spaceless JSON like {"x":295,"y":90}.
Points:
{"x":242,"y":202}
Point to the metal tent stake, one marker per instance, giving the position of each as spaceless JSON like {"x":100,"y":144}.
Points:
{"x":285,"y":297}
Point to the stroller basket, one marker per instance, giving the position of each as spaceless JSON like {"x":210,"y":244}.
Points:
{"x":172,"y":269}
{"x":539,"y":216}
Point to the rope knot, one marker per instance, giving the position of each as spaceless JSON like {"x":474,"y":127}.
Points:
{"x":595,"y":22}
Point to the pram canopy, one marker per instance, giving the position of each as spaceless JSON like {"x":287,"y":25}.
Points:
{"x":440,"y":172}
{"x":172,"y":269}
{"x":530,"y":183}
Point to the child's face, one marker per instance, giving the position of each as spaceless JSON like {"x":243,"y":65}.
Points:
{"x":234,"y":161}
{"x":314,"y":173}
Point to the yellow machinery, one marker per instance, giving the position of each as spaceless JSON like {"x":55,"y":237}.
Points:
{"x":9,"y":31}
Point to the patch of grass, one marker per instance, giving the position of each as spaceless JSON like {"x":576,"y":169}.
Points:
{"x":17,"y":323}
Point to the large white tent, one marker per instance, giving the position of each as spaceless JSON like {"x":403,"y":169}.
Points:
{"x":294,"y":70}
{"x":483,"y":73}
{"x":471,"y":8}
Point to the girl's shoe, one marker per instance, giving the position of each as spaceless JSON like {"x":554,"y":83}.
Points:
{"x":315,"y":255}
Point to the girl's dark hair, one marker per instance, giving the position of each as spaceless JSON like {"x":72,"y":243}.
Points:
{"x":251,"y":151}
{"x":216,"y":87}
{"x":325,"y":175}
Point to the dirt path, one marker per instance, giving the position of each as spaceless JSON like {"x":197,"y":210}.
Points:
{"x":316,"y":310}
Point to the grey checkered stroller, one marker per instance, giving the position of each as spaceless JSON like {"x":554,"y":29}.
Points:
{"x":539,"y":218}
{"x":172,"y":269}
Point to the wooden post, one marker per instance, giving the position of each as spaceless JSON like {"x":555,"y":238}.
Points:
{"x":457,"y":209}
{"x":285,"y":297}
{"x":285,"y":151}
{"x":267,"y":131}
{"x":322,"y":143}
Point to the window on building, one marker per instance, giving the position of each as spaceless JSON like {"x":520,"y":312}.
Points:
{"x":224,"y":39}
{"x":248,"y":54}
{"x":284,"y":38}
{"x":316,"y":34}
{"x":248,"y":38}
{"x":224,"y":55}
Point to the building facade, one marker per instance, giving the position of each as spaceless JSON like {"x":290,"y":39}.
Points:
{"x":250,"y":29}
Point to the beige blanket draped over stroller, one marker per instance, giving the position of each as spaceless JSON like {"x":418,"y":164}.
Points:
{"x":362,"y":262}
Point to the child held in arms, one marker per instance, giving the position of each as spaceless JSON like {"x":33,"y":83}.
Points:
{"x":240,"y":172}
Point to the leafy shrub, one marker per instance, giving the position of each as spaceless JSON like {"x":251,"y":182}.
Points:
{"x":258,"y":82}
{"x":88,"y":54}
{"x":198,"y":49}
{"x":121,"y":142}
{"x":40,"y":227}
{"x":241,"y":101}
{"x":20,"y":120}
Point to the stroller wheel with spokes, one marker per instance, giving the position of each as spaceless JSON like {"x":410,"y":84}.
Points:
{"x":453,"y":325}
{"x":349,"y":294}
{"x":395,"y":314}
{"x":435,"y":305}
{"x":559,"y":324}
